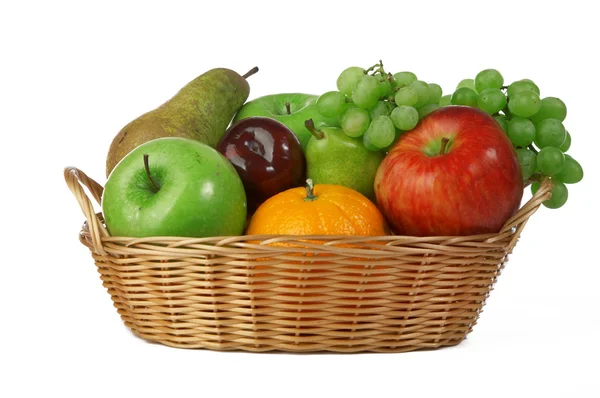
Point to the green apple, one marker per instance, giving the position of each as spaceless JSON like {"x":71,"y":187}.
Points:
{"x":291,"y":109}
{"x":174,"y":187}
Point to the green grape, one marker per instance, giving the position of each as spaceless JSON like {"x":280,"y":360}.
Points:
{"x":468,"y":83}
{"x":524,"y":103}
{"x":366,"y":92}
{"x":445,"y":100}
{"x":560,"y":194}
{"x":501,"y":119}
{"x":488,"y":78}
{"x":527,"y":160}
{"x":331,"y":104}
{"x":405,"y":117}
{"x":550,"y":132}
{"x":550,"y":161}
{"x":381,"y":108}
{"x":567,"y":143}
{"x":385,"y":87}
{"x":403,"y":79}
{"x":435,"y":93}
{"x":491,"y":100}
{"x":464,"y":96}
{"x":348,"y":79}
{"x":381,"y":132}
{"x":522,"y":85}
{"x":572,"y":173}
{"x":406,"y":96}
{"x":368,"y":144}
{"x":423,"y":92}
{"x":521,"y":131}
{"x":397,"y":137}
{"x":427,"y":109}
{"x":355,"y":121}
{"x":550,"y":108}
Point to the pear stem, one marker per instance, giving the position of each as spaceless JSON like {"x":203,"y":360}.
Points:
{"x":445,"y":141}
{"x":288,"y":108}
{"x":250,"y":72}
{"x":310,"y":191}
{"x":310,"y":126}
{"x":147,"y":167}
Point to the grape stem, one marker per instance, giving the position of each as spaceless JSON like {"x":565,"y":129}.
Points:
{"x":155,"y":187}
{"x":288,"y":108}
{"x":250,"y":72}
{"x":310,"y":126}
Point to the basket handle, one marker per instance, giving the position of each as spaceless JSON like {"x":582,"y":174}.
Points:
{"x":520,"y":218}
{"x":75,"y":178}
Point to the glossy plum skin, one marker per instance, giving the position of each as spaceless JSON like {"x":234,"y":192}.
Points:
{"x":267,"y":156}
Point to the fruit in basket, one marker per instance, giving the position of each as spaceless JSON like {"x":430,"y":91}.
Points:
{"x":291,"y":109}
{"x":174,"y":187}
{"x":333,"y":157}
{"x":321,"y":209}
{"x":201,"y":110}
{"x":456,"y":173}
{"x":267,"y":156}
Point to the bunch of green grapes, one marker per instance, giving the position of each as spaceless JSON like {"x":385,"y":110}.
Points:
{"x":377,"y":105}
{"x":533,"y":124}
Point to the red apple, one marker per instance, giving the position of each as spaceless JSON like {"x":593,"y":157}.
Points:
{"x":267,"y":156}
{"x":455,"y":173}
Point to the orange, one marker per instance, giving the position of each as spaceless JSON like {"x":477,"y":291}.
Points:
{"x":320,"y":210}
{"x":300,"y":285}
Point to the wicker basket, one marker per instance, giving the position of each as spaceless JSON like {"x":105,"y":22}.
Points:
{"x":342,"y":294}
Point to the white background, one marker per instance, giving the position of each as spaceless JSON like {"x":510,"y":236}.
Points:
{"x":72,"y":74}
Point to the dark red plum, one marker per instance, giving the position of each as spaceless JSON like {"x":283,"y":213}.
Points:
{"x":267,"y":155}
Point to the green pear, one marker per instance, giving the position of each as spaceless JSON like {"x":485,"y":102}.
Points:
{"x":201,"y":111}
{"x":333,"y":157}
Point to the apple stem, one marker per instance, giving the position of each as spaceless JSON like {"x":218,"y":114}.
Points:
{"x":288,"y":108}
{"x":250,"y":72}
{"x":310,"y":191}
{"x":445,"y":142}
{"x":147,"y":167}
{"x":310,"y":126}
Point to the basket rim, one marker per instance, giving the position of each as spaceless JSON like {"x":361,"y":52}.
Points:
{"x":95,"y":235}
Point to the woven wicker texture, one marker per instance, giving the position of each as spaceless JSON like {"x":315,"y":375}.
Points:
{"x":305,"y":294}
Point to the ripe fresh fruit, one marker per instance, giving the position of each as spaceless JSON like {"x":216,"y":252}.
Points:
{"x":559,"y":197}
{"x":355,"y":121}
{"x":174,"y":187}
{"x":348,"y":79}
{"x":525,"y":103}
{"x":267,"y":156}
{"x":320,"y":210}
{"x":331,"y":104}
{"x":572,"y":171}
{"x":366,"y":92}
{"x":464,"y":96}
{"x":333,"y":157}
{"x":550,"y":160}
{"x":521,"y":131}
{"x":488,"y":78}
{"x":550,"y":132}
{"x":201,"y":111}
{"x":456,"y":173}
{"x":291,"y":109}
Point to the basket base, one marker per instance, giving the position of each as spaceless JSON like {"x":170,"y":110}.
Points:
{"x":348,"y":347}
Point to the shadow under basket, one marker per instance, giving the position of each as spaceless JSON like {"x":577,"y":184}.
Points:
{"x":299,"y":293}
